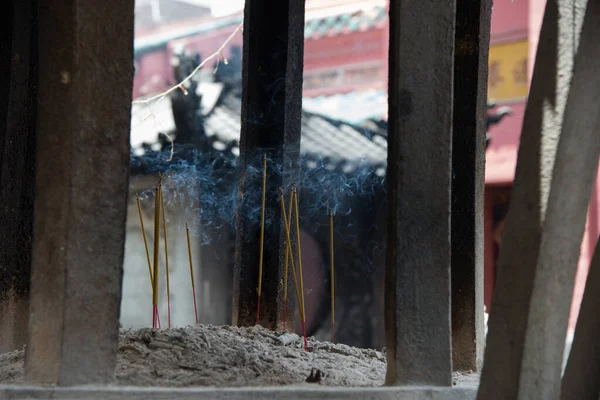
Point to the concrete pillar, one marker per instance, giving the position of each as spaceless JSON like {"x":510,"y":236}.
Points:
{"x":417,"y":287}
{"x":18,"y":111}
{"x":472,"y":39}
{"x":271,"y":114}
{"x":573,"y":179}
{"x":85,"y":88}
{"x":542,"y":123}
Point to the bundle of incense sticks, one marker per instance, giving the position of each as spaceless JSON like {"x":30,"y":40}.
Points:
{"x":164,"y":220}
{"x":262,"y":236}
{"x":147,"y":255}
{"x":299,"y":297}
{"x":187,"y":232}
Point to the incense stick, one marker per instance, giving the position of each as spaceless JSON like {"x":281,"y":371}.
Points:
{"x":332,"y":277}
{"x":147,"y":258}
{"x":298,"y":253}
{"x":289,"y":249}
{"x":262,"y":235}
{"x":145,"y":240}
{"x":164,"y":219}
{"x":187,"y":232}
{"x":287,"y":258}
{"x":156,"y":253}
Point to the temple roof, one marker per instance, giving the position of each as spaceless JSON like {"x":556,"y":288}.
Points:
{"x":336,"y":143}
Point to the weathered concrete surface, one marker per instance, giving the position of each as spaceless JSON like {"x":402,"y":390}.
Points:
{"x":573,"y":179}
{"x":271,"y":112}
{"x":14,"y":314}
{"x":417,"y":288}
{"x":580,"y":379}
{"x":17,"y":166}
{"x":85,"y":75}
{"x":519,"y":256}
{"x":472,"y":38}
{"x":6,"y":35}
{"x":283,"y":393}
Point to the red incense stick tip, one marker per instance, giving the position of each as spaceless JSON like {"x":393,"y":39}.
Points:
{"x":157,"y":317}
{"x":304,"y":330}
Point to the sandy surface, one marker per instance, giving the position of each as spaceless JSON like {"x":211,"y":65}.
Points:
{"x":205,"y":355}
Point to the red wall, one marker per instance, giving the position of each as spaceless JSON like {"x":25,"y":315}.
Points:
{"x":150,"y":77}
{"x":587,"y":250}
{"x":501,"y":155}
{"x":208,"y":43}
{"x":536,"y":14}
{"x":349,"y":48}
{"x":157,"y":63}
{"x":509,"y":20}
{"x":319,"y":53}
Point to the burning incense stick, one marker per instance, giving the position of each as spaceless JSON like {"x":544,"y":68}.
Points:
{"x":332,"y":277}
{"x":156,"y":243}
{"x":187,"y":232}
{"x":298,"y":253}
{"x":286,"y":224}
{"x":164,"y":219}
{"x":287,"y":258}
{"x":262,"y":235}
{"x":145,"y":241}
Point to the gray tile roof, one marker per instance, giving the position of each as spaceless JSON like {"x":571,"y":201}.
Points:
{"x":338,"y":143}
{"x":353,"y":107}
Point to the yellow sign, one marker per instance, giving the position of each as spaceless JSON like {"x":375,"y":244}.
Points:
{"x":507,"y":74}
